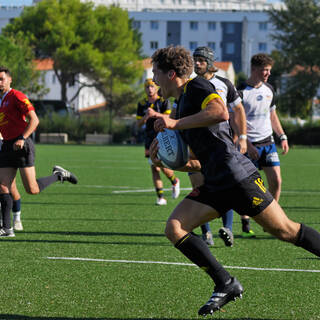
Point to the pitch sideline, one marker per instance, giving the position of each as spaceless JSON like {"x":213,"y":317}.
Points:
{"x":178,"y":264}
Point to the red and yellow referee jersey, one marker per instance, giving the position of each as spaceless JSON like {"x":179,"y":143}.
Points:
{"x":13,"y":110}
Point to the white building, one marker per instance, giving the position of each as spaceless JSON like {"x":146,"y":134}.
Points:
{"x":88,"y":96}
{"x":235,"y":29}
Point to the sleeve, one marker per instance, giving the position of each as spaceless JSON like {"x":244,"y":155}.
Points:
{"x":233,"y":98}
{"x":273,"y":102}
{"x":23,"y":103}
{"x":201,"y":92}
{"x":165,"y":107}
{"x":140,"y":113}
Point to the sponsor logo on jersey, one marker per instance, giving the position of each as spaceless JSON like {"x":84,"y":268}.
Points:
{"x":2,"y":116}
{"x":259,"y":97}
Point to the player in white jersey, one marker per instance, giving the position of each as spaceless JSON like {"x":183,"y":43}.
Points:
{"x":204,"y":67}
{"x":262,"y":120}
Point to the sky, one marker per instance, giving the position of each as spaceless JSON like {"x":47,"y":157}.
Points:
{"x":15,"y":2}
{"x":28,"y":2}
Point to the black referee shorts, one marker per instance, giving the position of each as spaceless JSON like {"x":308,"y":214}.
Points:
{"x":248,"y":197}
{"x":23,"y":158}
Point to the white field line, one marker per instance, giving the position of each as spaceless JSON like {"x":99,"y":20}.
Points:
{"x":168,"y":189}
{"x":145,"y":190}
{"x":180,"y":264}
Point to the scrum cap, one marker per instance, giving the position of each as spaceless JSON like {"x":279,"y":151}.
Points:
{"x":206,"y":53}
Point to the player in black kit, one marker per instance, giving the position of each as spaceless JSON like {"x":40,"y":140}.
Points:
{"x":231,"y":181}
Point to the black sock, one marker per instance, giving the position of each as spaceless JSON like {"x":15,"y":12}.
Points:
{"x":198,"y":252}
{"x":159,"y":192}
{"x":309,"y":239}
{"x":46,"y":181}
{"x":245,"y":224}
{"x":6,"y":206}
{"x":173,"y":180}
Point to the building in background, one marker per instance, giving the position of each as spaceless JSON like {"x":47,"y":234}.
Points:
{"x":234,"y":29}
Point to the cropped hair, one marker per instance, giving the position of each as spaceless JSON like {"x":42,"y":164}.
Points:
{"x":174,"y":58}
{"x":5,"y":70}
{"x":261,"y":60}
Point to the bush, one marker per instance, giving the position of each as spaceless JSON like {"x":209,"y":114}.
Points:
{"x":309,"y":134}
{"x":78,"y":126}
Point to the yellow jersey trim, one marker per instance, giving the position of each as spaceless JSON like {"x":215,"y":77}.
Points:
{"x":208,"y":99}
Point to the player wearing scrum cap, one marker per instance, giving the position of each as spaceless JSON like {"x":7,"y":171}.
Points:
{"x":231,"y":181}
{"x":152,"y":105}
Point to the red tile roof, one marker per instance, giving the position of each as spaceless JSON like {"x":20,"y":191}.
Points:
{"x":44,"y":64}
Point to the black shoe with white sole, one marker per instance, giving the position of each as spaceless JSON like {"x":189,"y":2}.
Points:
{"x":227,"y":236}
{"x":64,"y":175}
{"x":221,"y":296}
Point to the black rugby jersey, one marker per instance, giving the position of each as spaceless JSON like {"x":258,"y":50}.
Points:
{"x":160,"y":105}
{"x":221,"y":163}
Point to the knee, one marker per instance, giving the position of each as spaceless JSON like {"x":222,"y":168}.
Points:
{"x":172,"y":231}
{"x":33,"y":190}
{"x":288,"y":233}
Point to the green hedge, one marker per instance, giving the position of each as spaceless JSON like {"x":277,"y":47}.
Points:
{"x":77,"y":126}
{"x":309,"y":134}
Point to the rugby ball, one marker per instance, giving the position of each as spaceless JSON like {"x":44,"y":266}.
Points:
{"x":173,"y":151}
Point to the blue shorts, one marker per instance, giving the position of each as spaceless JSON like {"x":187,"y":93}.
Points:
{"x":268,"y":156}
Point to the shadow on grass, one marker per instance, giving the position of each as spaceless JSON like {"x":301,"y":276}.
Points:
{"x":22,"y":317}
{"x":103,"y":204}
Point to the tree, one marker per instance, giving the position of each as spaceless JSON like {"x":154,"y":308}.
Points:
{"x":18,"y":58}
{"x":298,"y":36}
{"x":97,"y":42}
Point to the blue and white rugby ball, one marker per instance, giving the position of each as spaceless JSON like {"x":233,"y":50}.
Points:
{"x":173,"y":151}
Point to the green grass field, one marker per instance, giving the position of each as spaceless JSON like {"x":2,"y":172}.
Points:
{"x":113,"y":226}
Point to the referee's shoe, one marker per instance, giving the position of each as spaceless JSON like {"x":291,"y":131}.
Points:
{"x":64,"y":175}
{"x":221,"y":296}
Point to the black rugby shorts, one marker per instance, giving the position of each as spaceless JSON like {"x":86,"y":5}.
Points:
{"x":248,"y":197}
{"x":23,"y":158}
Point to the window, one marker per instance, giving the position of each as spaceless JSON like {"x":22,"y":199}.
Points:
{"x":153,"y":45}
{"x":53,"y":79}
{"x":136,"y":24}
{"x":212,"y":45}
{"x":263,"y":26}
{"x":194,"y":25}
{"x":230,"y":48}
{"x":262,"y":46}
{"x":230,"y":28}
{"x":211,"y":25}
{"x":193,"y":45}
{"x":154,"y":25}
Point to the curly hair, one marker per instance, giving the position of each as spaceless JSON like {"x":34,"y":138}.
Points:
{"x":174,"y":58}
{"x":261,"y":60}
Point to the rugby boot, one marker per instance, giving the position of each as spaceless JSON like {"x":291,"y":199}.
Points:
{"x":221,"y":296}
{"x":227,"y":236}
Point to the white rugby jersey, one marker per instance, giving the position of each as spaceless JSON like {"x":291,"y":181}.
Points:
{"x":226,"y":91}
{"x":258,"y":104}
